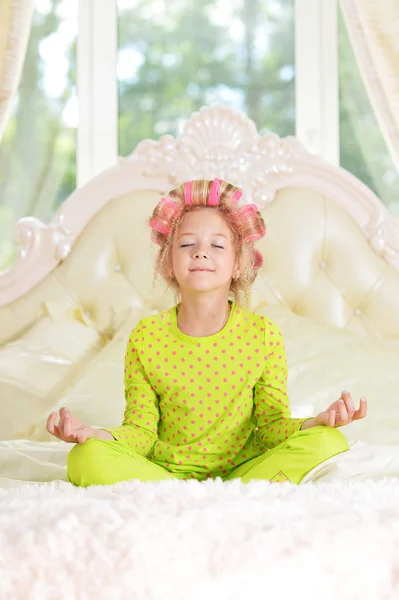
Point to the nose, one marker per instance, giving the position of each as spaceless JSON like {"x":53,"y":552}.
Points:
{"x":200,"y":254}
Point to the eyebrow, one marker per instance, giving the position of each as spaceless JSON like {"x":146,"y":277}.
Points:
{"x":221,"y":234}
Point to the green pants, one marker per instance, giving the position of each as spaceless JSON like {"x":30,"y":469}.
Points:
{"x":100,"y":462}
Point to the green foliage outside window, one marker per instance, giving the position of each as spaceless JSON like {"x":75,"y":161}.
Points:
{"x":173,"y":58}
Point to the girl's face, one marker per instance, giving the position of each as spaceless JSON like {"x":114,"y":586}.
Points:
{"x":203,"y":253}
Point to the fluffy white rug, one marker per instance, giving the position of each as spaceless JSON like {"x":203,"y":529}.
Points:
{"x":188,"y":541}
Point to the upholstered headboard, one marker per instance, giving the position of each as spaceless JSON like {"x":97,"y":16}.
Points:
{"x":331,"y":251}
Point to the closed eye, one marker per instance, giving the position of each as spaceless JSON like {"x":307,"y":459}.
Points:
{"x":214,"y":245}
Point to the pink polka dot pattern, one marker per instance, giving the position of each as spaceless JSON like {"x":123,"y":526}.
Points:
{"x":200,"y":407}
{"x":139,"y":429}
{"x":279,"y":478}
{"x":272,"y":409}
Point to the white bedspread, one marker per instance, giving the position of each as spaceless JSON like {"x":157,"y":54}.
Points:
{"x":335,"y":538}
{"x":23,"y":462}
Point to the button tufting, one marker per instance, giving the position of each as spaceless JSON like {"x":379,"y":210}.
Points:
{"x":117,"y":267}
{"x":357,"y":312}
{"x":323,"y":265}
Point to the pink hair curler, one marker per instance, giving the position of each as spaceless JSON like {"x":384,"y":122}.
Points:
{"x":214,"y":194}
{"x":257,"y":259}
{"x":167,"y":211}
{"x":188,"y":198}
{"x":159,"y":226}
{"x":236,"y":196}
{"x":250,"y":210}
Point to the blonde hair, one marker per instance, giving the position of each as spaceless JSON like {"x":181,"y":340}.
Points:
{"x":246,"y":224}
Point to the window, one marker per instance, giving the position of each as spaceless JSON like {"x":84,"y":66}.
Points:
{"x":37,"y":151}
{"x":173,"y":57}
{"x":363,"y":151}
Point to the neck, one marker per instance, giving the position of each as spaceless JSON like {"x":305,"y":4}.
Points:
{"x":202,"y":316}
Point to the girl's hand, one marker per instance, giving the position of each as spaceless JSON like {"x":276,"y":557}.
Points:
{"x":69,"y":428}
{"x":342,"y":412}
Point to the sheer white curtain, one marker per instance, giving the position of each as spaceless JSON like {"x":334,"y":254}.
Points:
{"x":373,"y":27}
{"x":15,"y":24}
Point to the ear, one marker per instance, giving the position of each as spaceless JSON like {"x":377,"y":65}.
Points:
{"x":236,"y":271}
{"x":239,"y":264}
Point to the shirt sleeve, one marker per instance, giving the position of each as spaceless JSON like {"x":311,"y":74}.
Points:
{"x":139,"y":429}
{"x":272,"y":407}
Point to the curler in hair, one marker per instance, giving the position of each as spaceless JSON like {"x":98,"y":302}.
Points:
{"x":250,"y":214}
{"x":166,"y":211}
{"x":188,"y":196}
{"x":236,"y":197}
{"x":257,"y":259}
{"x":246,"y":221}
{"x":214,"y":194}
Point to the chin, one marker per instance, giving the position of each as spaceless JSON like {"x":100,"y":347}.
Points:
{"x":203,"y":286}
{"x":200,"y":288}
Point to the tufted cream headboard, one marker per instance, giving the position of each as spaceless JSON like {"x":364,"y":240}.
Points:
{"x":331,"y":251}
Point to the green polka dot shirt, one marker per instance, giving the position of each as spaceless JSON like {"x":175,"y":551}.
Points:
{"x":201,"y":406}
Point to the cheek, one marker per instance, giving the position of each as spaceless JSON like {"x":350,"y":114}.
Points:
{"x":224,"y":265}
{"x":173,"y":261}
{"x":179,"y":259}
{"x":229,"y":260}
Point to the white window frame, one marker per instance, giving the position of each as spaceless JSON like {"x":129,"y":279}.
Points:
{"x":97,"y":138}
{"x":316,"y":87}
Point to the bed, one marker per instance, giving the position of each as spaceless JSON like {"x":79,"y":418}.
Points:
{"x":330,"y":280}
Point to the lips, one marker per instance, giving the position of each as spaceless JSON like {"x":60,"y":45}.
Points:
{"x":202,"y":269}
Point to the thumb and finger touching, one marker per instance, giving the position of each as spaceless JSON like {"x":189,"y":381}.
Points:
{"x":68,"y":426}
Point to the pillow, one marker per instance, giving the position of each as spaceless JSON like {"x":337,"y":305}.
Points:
{"x":323,"y":361}
{"x":40,"y":362}
{"x":96,"y":397}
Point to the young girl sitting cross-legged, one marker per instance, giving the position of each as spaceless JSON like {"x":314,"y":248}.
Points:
{"x":205,"y":381}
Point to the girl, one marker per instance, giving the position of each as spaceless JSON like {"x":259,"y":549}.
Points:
{"x":205,"y":382}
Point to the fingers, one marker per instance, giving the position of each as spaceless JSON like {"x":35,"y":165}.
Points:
{"x":67,"y":422}
{"x":342,"y":411}
{"x":361,"y":412}
{"x":352,"y":413}
{"x":346,"y":411}
{"x":327,"y":418}
{"x":51,"y":426}
{"x":68,"y":429}
{"x":64,"y":429}
{"x":61,"y":422}
{"x":348,"y":403}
